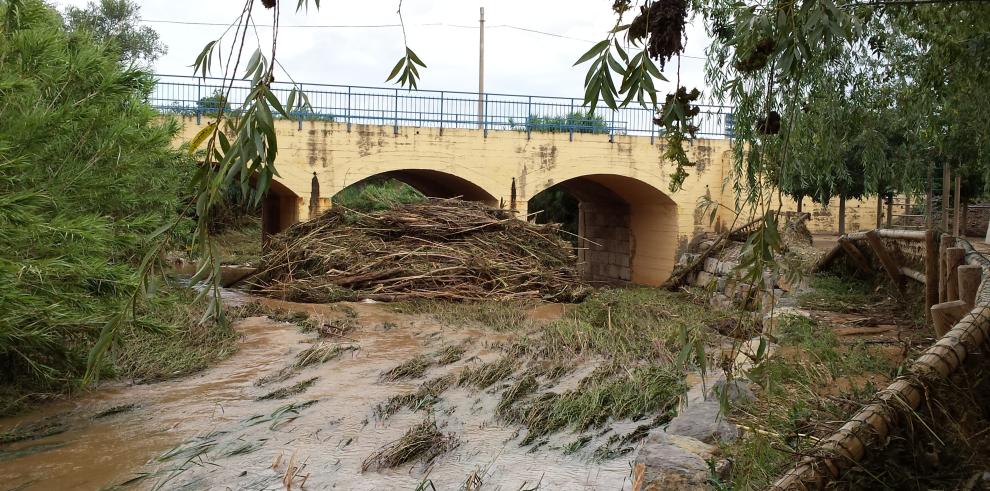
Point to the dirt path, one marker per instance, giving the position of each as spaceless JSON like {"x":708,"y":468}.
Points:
{"x":215,"y":433}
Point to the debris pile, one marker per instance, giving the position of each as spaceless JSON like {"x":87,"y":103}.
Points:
{"x":439,"y":248}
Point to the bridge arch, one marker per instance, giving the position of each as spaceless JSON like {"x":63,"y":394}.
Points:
{"x":434,"y":183}
{"x":279,"y":209}
{"x":628,"y":228}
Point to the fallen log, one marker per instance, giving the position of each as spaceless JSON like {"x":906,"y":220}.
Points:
{"x":855,"y":254}
{"x":913,"y":274}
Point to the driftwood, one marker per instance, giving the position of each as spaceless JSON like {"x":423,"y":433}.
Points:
{"x":872,"y":425}
{"x":679,"y":276}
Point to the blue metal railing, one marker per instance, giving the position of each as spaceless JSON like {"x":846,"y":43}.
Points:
{"x":396,"y":107}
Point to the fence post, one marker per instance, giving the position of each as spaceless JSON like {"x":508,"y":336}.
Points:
{"x":299,"y":113}
{"x":395,"y":121}
{"x":572,"y":122}
{"x":652,"y":127}
{"x":348,"y":109}
{"x":529,"y":113}
{"x":611,"y":128}
{"x":484,"y":117}
{"x":199,"y":97}
{"x":441,"y":113}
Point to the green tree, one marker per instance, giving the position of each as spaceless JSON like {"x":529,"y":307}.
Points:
{"x":87,"y":175}
{"x":117,"y":23}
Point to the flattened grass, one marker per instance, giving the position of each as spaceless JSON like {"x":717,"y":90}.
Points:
{"x":423,"y":442}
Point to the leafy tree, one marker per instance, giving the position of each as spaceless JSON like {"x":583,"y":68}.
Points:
{"x":87,"y":175}
{"x":117,"y":23}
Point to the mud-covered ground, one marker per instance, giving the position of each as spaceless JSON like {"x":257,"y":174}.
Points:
{"x":259,"y":420}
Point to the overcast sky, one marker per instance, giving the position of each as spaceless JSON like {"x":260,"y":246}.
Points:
{"x":516,"y":61}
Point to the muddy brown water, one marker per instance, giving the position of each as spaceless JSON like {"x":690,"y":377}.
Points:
{"x":223,"y":438}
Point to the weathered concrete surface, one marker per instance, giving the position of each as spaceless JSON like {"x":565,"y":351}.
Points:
{"x":466,"y":163}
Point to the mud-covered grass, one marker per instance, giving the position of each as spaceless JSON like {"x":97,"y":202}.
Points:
{"x":805,"y":392}
{"x":423,"y":442}
{"x":415,"y":367}
{"x":286,"y":392}
{"x":484,"y":376}
{"x":607,"y":394}
{"x":321,"y":352}
{"x":424,"y":397}
{"x":449,"y":354}
{"x":491,"y":314}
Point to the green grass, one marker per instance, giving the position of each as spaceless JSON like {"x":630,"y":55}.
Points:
{"x":173,"y":342}
{"x":240,"y":245}
{"x":424,"y":397}
{"x":836,"y":293}
{"x":376,"y":195}
{"x":792,"y":401}
{"x":286,"y":392}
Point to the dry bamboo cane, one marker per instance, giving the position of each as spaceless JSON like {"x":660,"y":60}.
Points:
{"x":872,"y":425}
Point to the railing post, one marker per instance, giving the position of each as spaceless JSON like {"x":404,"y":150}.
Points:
{"x":572,"y":122}
{"x":299,"y":113}
{"x":529,"y":113}
{"x":611,"y":129}
{"x":484,"y":117}
{"x":199,"y":97}
{"x":653,"y":125}
{"x":395,"y":121}
{"x":441,"y":113}
{"x":348,"y":116}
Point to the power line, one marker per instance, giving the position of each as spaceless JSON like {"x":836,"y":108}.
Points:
{"x":380,"y":26}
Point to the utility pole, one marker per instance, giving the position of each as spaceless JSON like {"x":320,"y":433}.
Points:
{"x":481,"y":70}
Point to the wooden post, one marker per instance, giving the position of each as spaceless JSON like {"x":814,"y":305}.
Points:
{"x":931,"y":270}
{"x":879,"y":210}
{"x":958,"y":213}
{"x":890,"y":210}
{"x":947,"y":314}
{"x":854,"y":253}
{"x":929,"y":197}
{"x":886,"y":260}
{"x":945,"y":242}
{"x":953,"y":258}
{"x":842,"y":214}
{"x":970,"y":276}
{"x":965,"y":218}
{"x":946,"y":186}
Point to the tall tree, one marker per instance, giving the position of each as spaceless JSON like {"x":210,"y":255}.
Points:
{"x":117,"y":23}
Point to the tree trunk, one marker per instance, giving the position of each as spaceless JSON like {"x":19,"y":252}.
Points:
{"x":842,"y":214}
{"x":800,"y":200}
{"x":890,"y":210}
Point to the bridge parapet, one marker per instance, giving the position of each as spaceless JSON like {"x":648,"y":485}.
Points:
{"x":200,"y":98}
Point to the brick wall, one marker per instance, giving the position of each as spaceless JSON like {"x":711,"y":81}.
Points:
{"x":607,"y":254}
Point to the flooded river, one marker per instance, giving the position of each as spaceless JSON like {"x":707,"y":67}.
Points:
{"x":211,"y":431}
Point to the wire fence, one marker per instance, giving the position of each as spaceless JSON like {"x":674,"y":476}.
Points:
{"x":194,"y":96}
